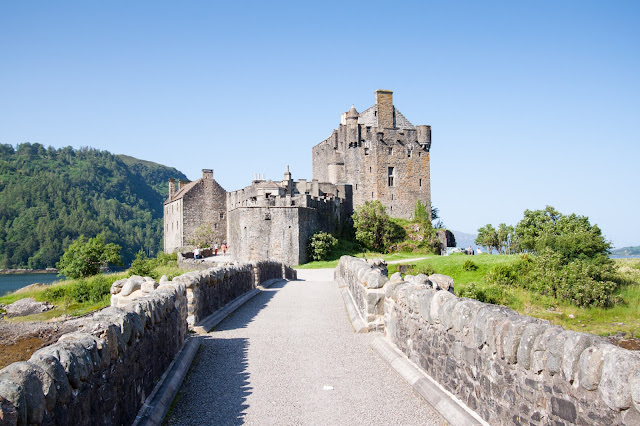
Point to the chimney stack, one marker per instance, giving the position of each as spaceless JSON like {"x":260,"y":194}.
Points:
{"x":386,"y":114}
{"x":172,"y":187}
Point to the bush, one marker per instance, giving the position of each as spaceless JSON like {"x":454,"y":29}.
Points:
{"x":502,"y":275}
{"x":84,"y":258}
{"x":320,"y":245}
{"x":491,"y":295}
{"x":469,"y":265}
{"x":424,"y":269}
{"x":374,"y":228}
{"x":142,"y":265}
{"x":86,"y":290}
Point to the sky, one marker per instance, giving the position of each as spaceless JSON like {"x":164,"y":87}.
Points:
{"x":531,"y":103}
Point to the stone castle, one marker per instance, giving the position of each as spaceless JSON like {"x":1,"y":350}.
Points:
{"x":374,"y":155}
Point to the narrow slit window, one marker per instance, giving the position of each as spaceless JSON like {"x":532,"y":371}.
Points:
{"x":391,"y":175}
{"x":420,"y":182}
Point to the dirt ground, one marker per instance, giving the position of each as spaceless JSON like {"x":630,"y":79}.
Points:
{"x":19,"y":340}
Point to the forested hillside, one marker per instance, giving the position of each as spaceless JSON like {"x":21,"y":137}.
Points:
{"x":49,"y":197}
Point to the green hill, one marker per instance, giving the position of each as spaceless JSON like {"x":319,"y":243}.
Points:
{"x":627,"y":251}
{"x":49,"y":197}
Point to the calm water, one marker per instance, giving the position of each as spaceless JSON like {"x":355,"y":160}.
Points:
{"x":12,"y":282}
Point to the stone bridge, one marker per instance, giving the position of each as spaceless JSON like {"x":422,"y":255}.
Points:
{"x":331,"y":347}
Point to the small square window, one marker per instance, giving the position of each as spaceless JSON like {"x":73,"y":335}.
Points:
{"x":366,"y":151}
{"x":390,"y":151}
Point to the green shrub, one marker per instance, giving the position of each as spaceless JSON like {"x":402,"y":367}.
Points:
{"x":469,"y":265}
{"x":490,"y":295}
{"x":55,"y":293}
{"x":502,"y":275}
{"x":320,"y":245}
{"x":424,"y":269}
{"x":142,"y":266}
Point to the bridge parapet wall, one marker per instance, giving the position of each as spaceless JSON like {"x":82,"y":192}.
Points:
{"x":103,"y":372}
{"x":364,"y":282}
{"x":509,"y":368}
{"x":106,"y":370}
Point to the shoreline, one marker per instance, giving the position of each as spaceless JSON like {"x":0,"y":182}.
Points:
{"x":28,"y":271}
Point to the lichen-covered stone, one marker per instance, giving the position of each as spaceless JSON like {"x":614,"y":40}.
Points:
{"x":615,"y":386}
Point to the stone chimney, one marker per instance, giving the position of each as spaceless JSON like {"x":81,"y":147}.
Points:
{"x":386,"y":114}
{"x":172,"y":187}
{"x":207,"y":174}
{"x":182,"y":183}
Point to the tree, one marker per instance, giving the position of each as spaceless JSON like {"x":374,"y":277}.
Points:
{"x":141,"y":265}
{"x":321,"y":244}
{"x":420,"y":213}
{"x":534,"y":224}
{"x":373,"y":226}
{"x":84,"y":257}
{"x":488,"y":237}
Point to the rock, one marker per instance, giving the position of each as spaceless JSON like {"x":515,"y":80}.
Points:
{"x":615,"y":387}
{"x":26,"y":306}
{"x":148,"y":286}
{"x":376,"y":280}
{"x":441,"y":282}
{"x":379,"y":264}
{"x":133,"y":283}
{"x":164,"y":279}
{"x":116,"y":287}
{"x":446,"y":238}
{"x":421,"y":279}
{"x":397,"y":277}
{"x":8,"y":413}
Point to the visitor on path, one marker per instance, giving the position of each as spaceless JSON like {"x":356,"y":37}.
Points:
{"x":224,"y":248}
{"x":196,"y":253}
{"x":215,"y":248}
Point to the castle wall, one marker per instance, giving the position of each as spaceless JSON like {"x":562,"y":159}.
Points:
{"x":173,"y":226}
{"x":362,"y":149}
{"x":265,"y":233}
{"x":205,"y":206}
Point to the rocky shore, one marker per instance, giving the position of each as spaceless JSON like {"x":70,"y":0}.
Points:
{"x":29,"y":271}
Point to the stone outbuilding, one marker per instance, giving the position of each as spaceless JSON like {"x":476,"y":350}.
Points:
{"x":194,"y":210}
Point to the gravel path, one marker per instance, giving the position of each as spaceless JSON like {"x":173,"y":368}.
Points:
{"x":290,"y":356}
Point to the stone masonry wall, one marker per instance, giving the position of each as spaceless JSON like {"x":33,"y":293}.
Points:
{"x":102,"y":373}
{"x":364,"y":282}
{"x":510,"y":368}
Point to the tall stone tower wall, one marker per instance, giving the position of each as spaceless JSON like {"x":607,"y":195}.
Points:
{"x":381,"y":155}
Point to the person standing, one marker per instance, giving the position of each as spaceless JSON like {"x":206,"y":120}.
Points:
{"x":215,"y":249}
{"x":224,"y":248}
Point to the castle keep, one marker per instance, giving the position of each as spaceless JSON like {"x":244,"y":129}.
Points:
{"x":381,"y":154}
{"x":374,"y":155}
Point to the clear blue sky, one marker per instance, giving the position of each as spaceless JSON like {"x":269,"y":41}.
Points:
{"x":531,"y":103}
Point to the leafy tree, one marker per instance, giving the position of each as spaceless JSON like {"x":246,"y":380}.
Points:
{"x":534,"y":224}
{"x":141,"y":265}
{"x":84,"y":258}
{"x":321,"y":244}
{"x":203,"y":236}
{"x":488,"y":237}
{"x":420,"y":213}
{"x":373,"y":226}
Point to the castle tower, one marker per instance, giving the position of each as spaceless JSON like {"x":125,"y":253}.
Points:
{"x":380,"y":154}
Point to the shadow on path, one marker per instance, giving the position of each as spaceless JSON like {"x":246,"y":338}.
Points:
{"x":217,"y":385}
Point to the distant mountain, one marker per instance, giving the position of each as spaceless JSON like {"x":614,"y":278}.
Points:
{"x":627,"y":251}
{"x":464,"y":240}
{"x":49,"y":197}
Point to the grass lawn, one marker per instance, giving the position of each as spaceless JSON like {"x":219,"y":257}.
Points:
{"x":76,"y":297}
{"x":623,"y":318}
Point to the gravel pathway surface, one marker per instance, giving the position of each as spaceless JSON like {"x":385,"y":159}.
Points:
{"x":289,"y":356}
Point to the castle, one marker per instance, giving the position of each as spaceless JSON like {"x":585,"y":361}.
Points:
{"x":374,"y":155}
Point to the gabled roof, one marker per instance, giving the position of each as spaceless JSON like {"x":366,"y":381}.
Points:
{"x":368,"y":118}
{"x":182,"y":191}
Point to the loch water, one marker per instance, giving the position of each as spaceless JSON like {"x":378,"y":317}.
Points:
{"x":12,"y":282}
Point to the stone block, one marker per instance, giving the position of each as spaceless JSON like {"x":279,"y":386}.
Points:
{"x":573,"y":347}
{"x":527,"y":342}
{"x":615,"y":383}
{"x":436,"y":302}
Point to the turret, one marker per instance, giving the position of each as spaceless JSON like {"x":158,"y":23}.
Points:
{"x":207,"y":174}
{"x":424,"y":136}
{"x":353,"y":130}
